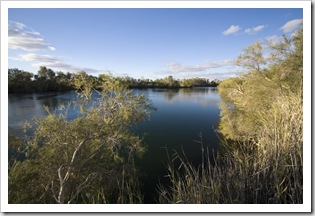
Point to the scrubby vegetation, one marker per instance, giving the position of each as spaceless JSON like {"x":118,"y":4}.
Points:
{"x":262,"y":134}
{"x":86,"y":160}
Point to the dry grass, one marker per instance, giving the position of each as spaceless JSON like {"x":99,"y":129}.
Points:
{"x":266,"y":170}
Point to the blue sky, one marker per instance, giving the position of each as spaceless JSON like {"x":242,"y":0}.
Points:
{"x":148,"y":43}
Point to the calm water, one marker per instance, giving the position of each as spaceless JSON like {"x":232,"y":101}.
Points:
{"x":182,"y":116}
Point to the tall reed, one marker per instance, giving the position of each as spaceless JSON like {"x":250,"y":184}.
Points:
{"x":267,"y":169}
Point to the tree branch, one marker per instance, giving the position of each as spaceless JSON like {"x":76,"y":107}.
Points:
{"x":87,"y":136}
{"x":53,"y":191}
{"x":63,"y":180}
{"x":83,"y":185}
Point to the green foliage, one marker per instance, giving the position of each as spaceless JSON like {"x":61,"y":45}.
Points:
{"x":19,"y":80}
{"x":252,"y":58}
{"x":263,"y":110}
{"x":16,"y":149}
{"x":44,"y":80}
{"x":84,"y":84}
{"x":255,"y":92}
{"x":86,"y":160}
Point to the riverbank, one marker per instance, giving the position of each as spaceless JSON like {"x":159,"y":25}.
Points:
{"x":47,"y":80}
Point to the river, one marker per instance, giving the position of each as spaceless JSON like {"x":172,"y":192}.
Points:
{"x":183,"y":116}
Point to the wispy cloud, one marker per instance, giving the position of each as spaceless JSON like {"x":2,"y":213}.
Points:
{"x":40,"y":58}
{"x":54,"y":62}
{"x":292,"y":25}
{"x":255,"y":29}
{"x":22,"y":37}
{"x":176,"y":67}
{"x":204,"y":70}
{"x":232,"y":30}
{"x":215,"y":75}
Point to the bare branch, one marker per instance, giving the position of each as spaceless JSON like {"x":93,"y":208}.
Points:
{"x":85,"y":184}
{"x":87,"y":136}
{"x":63,"y":180}
{"x":53,"y":191}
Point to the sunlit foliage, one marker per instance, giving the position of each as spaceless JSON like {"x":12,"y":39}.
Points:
{"x":89,"y":159}
{"x":247,"y":97}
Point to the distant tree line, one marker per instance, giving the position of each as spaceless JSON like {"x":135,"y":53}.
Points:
{"x":48,"y":80}
{"x":168,"y":82}
{"x":45,"y":80}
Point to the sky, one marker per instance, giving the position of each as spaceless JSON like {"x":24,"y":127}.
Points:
{"x":142,"y":43}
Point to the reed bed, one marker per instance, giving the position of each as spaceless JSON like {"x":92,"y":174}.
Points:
{"x":264,"y":170}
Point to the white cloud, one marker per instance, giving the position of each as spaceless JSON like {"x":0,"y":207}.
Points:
{"x":22,"y":37}
{"x":54,"y":62}
{"x":255,"y":29}
{"x":292,"y":25}
{"x":51,"y":48}
{"x":232,"y":30}
{"x":40,"y":58}
{"x":175,"y":68}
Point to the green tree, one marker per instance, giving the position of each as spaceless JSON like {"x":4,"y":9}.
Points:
{"x":45,"y":80}
{"x":42,"y":72}
{"x":252,"y":58}
{"x":64,"y":81}
{"x":245,"y":98}
{"x":19,"y":80}
{"x":86,"y":160}
{"x":50,"y":74}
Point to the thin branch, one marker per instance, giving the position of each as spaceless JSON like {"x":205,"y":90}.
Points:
{"x":53,"y":191}
{"x":83,"y":185}
{"x":87,"y":136}
{"x":62,"y":181}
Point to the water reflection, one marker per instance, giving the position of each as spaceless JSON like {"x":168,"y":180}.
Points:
{"x":25,"y":107}
{"x":206,"y":96}
{"x":168,"y":93}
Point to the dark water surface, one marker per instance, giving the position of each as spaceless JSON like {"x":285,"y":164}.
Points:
{"x":182,"y":116}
